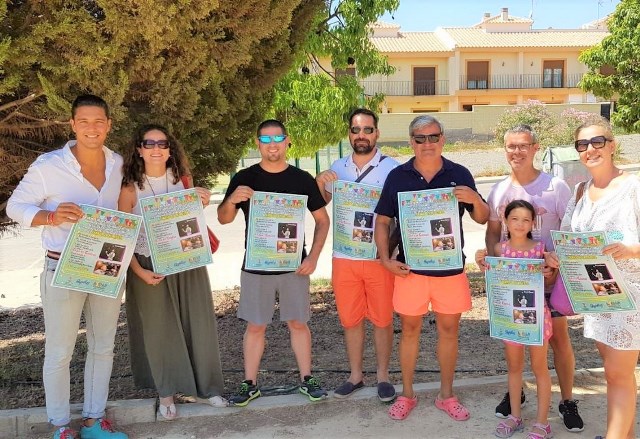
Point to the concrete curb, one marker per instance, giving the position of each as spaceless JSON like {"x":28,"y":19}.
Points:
{"x":19,"y":423}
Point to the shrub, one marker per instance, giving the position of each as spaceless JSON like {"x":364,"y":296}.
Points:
{"x":552,"y":129}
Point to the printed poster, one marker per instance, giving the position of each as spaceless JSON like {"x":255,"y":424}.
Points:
{"x":353,"y":219}
{"x":592,"y":280}
{"x":515,"y":295}
{"x":275,"y":238}
{"x":430,"y":229}
{"x":176,"y":230}
{"x":98,"y":251}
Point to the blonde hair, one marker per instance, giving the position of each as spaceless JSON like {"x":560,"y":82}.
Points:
{"x":602,"y":123}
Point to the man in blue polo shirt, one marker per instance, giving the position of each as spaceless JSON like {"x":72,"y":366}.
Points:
{"x":446,"y":292}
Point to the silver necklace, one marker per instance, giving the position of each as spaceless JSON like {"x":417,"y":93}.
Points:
{"x":166,"y":181}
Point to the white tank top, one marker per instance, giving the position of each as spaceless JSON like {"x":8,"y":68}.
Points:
{"x":155,"y":186}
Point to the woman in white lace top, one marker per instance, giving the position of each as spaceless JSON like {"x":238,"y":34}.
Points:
{"x":611,"y":203}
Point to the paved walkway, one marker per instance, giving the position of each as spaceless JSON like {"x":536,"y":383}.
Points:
{"x":360,"y":416}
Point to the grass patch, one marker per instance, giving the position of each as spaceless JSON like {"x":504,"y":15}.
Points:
{"x":493,"y":172}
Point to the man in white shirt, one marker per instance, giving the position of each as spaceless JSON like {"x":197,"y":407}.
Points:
{"x":84,"y":171}
{"x":362,"y":288}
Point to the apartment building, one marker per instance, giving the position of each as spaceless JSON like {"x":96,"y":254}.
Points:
{"x":501,"y":60}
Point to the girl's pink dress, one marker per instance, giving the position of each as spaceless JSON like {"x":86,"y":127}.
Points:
{"x":536,"y":252}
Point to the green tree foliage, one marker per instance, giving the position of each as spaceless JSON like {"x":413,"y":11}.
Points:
{"x":205,"y":68}
{"x":620,"y":51}
{"x":310,"y":99}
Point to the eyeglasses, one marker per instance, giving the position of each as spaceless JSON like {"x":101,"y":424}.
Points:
{"x":524,"y":147}
{"x":366,"y":130}
{"x":150,"y":144}
{"x":423,"y":138}
{"x":597,"y":142}
{"x":268,"y":139}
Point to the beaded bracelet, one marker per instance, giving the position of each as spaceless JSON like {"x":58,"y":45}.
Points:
{"x":50,"y":218}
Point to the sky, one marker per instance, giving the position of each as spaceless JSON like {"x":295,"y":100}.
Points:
{"x":427,"y":15}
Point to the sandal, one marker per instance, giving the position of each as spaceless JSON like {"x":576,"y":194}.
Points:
{"x":402,"y":407}
{"x":168,"y":412}
{"x":453,"y":408}
{"x":509,"y":426}
{"x":540,"y":431}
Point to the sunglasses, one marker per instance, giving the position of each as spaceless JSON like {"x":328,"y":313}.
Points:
{"x":268,"y":139}
{"x":366,"y":130}
{"x":150,"y":144}
{"x":597,"y":142}
{"x":424,"y":138}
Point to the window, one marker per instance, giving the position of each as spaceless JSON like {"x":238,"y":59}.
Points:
{"x":467,"y":107}
{"x":349,"y":71}
{"x":477,"y":75}
{"x":553,"y":74}
{"x":607,"y":70}
{"x":424,"y":81}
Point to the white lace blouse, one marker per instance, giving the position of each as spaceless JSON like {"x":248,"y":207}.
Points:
{"x":618,"y":214}
{"x":152,"y":186}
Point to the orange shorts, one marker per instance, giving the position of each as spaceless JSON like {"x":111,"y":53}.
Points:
{"x":415,"y":295}
{"x":362,"y":289}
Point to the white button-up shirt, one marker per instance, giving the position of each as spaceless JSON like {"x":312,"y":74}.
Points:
{"x":347,"y":170}
{"x":55,"y":178}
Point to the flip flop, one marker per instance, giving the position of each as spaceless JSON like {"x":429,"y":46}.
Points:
{"x":400,"y":409}
{"x":453,"y":408}
{"x":168,"y":412}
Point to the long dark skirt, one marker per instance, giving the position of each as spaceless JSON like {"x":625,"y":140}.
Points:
{"x":173,"y":333}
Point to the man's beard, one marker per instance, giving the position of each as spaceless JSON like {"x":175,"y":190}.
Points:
{"x":362,"y":147}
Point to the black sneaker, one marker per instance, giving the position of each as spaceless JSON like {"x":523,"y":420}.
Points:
{"x":311,"y":387}
{"x":504,"y":408}
{"x":247,"y":392}
{"x":568,"y":411}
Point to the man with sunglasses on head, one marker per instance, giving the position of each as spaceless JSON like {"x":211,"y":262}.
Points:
{"x":258,"y":288}
{"x":549,"y":195}
{"x":84,"y":171}
{"x":447,"y":291}
{"x":362,"y":288}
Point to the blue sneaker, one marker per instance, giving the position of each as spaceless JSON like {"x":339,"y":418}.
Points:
{"x":101,"y":429}
{"x":65,"y":433}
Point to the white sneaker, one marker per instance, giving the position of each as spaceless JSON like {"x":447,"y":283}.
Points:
{"x":218,"y":401}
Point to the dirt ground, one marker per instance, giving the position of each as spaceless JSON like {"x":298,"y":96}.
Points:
{"x":22,"y":351}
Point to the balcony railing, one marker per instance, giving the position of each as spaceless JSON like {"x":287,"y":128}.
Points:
{"x":515,"y":81}
{"x":406,"y":88}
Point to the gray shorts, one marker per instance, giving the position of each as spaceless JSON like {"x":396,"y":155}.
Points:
{"x":258,"y":297}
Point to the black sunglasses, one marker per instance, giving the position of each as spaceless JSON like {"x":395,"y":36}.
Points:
{"x":367,"y":130}
{"x":423,"y":138}
{"x":597,"y":142}
{"x":150,"y":144}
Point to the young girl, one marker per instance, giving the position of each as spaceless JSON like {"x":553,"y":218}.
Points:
{"x":519,"y":218}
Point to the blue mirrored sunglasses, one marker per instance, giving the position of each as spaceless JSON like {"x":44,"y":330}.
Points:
{"x":268,"y":139}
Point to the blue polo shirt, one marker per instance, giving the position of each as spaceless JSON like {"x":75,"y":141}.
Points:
{"x":406,"y":178}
